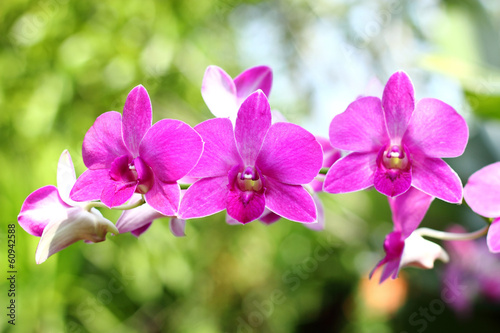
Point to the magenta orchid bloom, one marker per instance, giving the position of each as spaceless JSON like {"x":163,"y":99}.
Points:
{"x":253,"y":166}
{"x":330,"y":156}
{"x":396,"y":145}
{"x":224,"y":96}
{"x":402,"y":246}
{"x":482,"y":194}
{"x":139,"y":219}
{"x":50,"y":214}
{"x":127,"y":155}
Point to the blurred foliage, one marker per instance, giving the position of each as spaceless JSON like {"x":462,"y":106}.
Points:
{"x":64,"y":63}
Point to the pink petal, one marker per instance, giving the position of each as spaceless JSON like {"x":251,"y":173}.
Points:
{"x":139,"y":231}
{"x":351,"y":173}
{"x":436,"y":130}
{"x":164,"y":197}
{"x":116,"y":193}
{"x":392,"y":182}
{"x":391,"y":270}
{"x":66,"y":176}
{"x":205,"y":197}
{"x":482,"y":191}
{"x":253,"y":79}
{"x":434,"y":177}
{"x":89,"y":185}
{"x":409,"y":209}
{"x":399,"y":102}
{"x":232,"y":221}
{"x":493,"y":236}
{"x":41,"y":207}
{"x":103,"y":141}
{"x":330,"y":154}
{"x":219,"y":153}
{"x":252,"y":124}
{"x":361,"y":127}
{"x":269,"y":217}
{"x":137,"y":218}
{"x":292,"y":202}
{"x":320,"y":218}
{"x":290,"y":154}
{"x":177,"y":227}
{"x":245,"y":206}
{"x":137,"y":118}
{"x":171,"y":148}
{"x":219,"y":93}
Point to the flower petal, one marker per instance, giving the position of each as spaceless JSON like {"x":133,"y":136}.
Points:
{"x":137,"y":118}
{"x":205,"y":197}
{"x":79,"y":224}
{"x":493,"y":236}
{"x":252,"y":124}
{"x":420,"y":252}
{"x":177,"y":227}
{"x":361,"y":127}
{"x":482,"y":191}
{"x":137,"y":218}
{"x":139,"y":231}
{"x":269,"y":217}
{"x":399,"y":102}
{"x":171,"y":148}
{"x":436,"y":130}
{"x":290,"y":154}
{"x":219,"y":93}
{"x":292,"y":202}
{"x":103,"y":141}
{"x":351,"y":173}
{"x":392,"y":182}
{"x":66,"y":176}
{"x":219,"y":152}
{"x":409,"y":209}
{"x":41,"y":207}
{"x":245,"y":206}
{"x":434,"y":177}
{"x":116,"y":193}
{"x":330,"y":154}
{"x":164,"y":197}
{"x":253,"y":79}
{"x":89,"y":185}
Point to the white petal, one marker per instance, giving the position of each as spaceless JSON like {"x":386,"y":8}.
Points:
{"x":66,"y":177}
{"x":422,"y":253}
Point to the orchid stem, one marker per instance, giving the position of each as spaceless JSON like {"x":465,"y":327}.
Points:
{"x":184,"y":186}
{"x":450,"y":235}
{"x":323,"y":171}
{"x":122,"y":207}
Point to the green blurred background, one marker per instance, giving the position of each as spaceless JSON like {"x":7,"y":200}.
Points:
{"x":64,"y":63}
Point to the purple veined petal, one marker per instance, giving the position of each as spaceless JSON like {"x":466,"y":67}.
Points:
{"x":398,"y":101}
{"x":137,"y":218}
{"x":392,"y":182}
{"x":177,"y":227}
{"x":245,"y":206}
{"x":66,"y":177}
{"x":292,"y":202}
{"x":290,"y":154}
{"x":269,"y":217}
{"x":41,"y":207}
{"x":252,"y":124}
{"x":219,"y":93}
{"x":79,"y":225}
{"x":219,"y":152}
{"x":434,"y":177}
{"x":137,"y":118}
{"x":436,"y":130}
{"x":320,"y":218}
{"x":253,"y":79}
{"x":164,"y":197}
{"x":493,"y":236}
{"x":409,"y":209}
{"x":103,"y":141}
{"x":89,"y":185}
{"x":482,"y":191}
{"x":171,"y":149}
{"x":205,"y":197}
{"x":353,"y":172}
{"x":361,"y":127}
{"x":116,"y":193}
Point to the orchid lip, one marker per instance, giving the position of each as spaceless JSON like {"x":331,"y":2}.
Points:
{"x":394,"y":157}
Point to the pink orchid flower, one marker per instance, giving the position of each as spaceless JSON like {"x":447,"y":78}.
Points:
{"x":252,"y":166}
{"x":482,"y":194}
{"x":127,"y":155}
{"x":138,"y":220}
{"x":224,"y":96}
{"x":396,"y":144}
{"x":50,"y":214}
{"x":402,"y":246}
